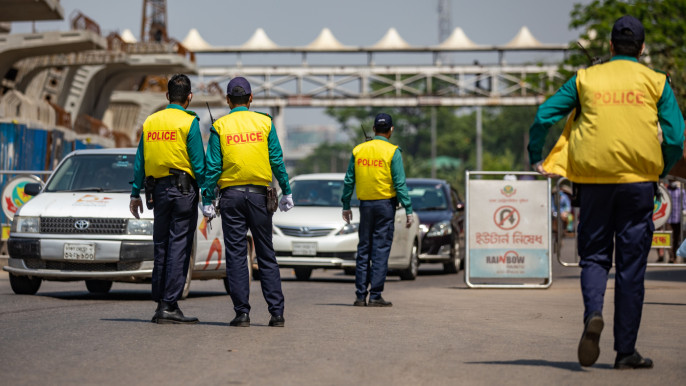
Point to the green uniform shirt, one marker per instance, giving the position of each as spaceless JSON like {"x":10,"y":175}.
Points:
{"x":196,"y":154}
{"x":566,"y":98}
{"x":397,"y":174}
{"x":215,"y":167}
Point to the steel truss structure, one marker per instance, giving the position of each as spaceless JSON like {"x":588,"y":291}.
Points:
{"x":428,"y":85}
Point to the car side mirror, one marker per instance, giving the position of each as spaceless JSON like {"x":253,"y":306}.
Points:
{"x":32,"y":189}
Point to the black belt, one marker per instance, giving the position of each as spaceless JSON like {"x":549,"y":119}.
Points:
{"x":248,"y":188}
{"x":172,"y":179}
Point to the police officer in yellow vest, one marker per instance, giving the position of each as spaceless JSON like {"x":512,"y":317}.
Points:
{"x":242,"y":153}
{"x":376,"y":167}
{"x":171,"y":156}
{"x":629,"y":132}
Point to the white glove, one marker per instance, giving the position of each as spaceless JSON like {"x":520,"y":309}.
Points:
{"x":286,"y":202}
{"x":208,"y":211}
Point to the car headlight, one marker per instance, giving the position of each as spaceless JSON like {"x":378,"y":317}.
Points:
{"x":423,"y":228}
{"x":441,"y":228}
{"x":349,"y":228}
{"x":25,"y":224}
{"x":139,"y":227}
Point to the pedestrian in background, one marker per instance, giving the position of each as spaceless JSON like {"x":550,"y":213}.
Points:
{"x":376,"y":167}
{"x":615,"y":156}
{"x":678,"y":198}
{"x":171,"y":160}
{"x":242,"y":153}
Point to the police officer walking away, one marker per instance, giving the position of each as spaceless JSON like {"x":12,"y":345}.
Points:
{"x":242,"y":153}
{"x":615,"y":155}
{"x":376,"y":167}
{"x":171,"y":159}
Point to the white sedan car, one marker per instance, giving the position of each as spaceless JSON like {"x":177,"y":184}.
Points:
{"x":314,"y":235}
{"x":78,"y":227}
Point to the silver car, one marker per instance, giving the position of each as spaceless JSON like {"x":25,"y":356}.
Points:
{"x":314,"y":235}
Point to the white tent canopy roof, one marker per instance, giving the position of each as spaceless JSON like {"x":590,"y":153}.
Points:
{"x":326,"y":41}
{"x":193,"y":41}
{"x":391,"y":40}
{"x":524,"y":39}
{"x":458,"y":39}
{"x":259,"y":40}
{"x":127,"y":36}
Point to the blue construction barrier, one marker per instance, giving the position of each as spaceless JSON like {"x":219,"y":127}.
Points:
{"x":25,"y":148}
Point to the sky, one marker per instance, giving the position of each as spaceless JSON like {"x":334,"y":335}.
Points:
{"x":353,"y":22}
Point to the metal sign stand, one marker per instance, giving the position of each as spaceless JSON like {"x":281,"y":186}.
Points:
{"x":508,"y":231}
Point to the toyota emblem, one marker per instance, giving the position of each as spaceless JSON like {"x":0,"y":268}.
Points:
{"x":81,"y":224}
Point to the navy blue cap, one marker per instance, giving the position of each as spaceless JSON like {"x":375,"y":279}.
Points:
{"x":383,"y":121}
{"x":628,"y":29}
{"x":238,"y":86}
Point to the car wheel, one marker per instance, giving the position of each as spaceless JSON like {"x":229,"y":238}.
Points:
{"x":303,"y":273}
{"x":24,"y":285}
{"x":98,"y":286}
{"x":350,"y":271}
{"x":189,"y":276}
{"x":452,"y":266}
{"x":411,"y":272}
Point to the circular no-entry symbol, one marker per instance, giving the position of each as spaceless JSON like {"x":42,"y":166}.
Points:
{"x":506,"y":217}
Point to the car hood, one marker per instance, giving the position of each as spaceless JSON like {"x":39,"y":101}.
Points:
{"x":81,"y":204}
{"x":324,"y":216}
{"x":433,"y":216}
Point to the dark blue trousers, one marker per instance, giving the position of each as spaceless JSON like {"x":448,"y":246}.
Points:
{"x":176,"y":216}
{"x":241,"y":211}
{"x":616,"y":217}
{"x":376,"y":236}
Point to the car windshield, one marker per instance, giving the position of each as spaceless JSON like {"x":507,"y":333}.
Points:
{"x":427,"y":196}
{"x":319,"y":193}
{"x":93,"y":173}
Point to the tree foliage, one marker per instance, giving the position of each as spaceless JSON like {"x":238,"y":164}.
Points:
{"x":664,"y":28}
{"x":505,"y":128}
{"x":505,"y":136}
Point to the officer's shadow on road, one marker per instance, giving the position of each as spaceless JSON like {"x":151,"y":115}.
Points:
{"x":147,"y":321}
{"x":571,"y":366}
{"x":126,"y":295}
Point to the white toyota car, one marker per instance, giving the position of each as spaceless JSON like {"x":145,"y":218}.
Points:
{"x":78,"y":227}
{"x":314,"y":235}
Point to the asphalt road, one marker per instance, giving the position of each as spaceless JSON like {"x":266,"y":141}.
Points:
{"x":438,"y":332}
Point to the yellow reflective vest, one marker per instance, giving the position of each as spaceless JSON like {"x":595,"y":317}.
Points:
{"x":165,"y":136}
{"x":373,"y":170}
{"x":616,"y":138}
{"x":243,"y":136}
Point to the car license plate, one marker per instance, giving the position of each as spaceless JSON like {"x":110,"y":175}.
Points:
{"x":79,"y":251}
{"x":304,"y":249}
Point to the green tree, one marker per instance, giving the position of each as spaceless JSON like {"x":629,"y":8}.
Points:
{"x":664,"y":28}
{"x":326,"y":158}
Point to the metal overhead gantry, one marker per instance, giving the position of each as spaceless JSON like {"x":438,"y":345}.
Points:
{"x":434,"y":84}
{"x":343,"y":86}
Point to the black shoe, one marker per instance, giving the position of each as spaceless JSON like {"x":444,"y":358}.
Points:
{"x":277,"y":321}
{"x":173,"y":315}
{"x":360,"y":302}
{"x":241,"y":320}
{"x":588,"y":346}
{"x":380,"y":302}
{"x":632,"y":361}
{"x":157,"y":311}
